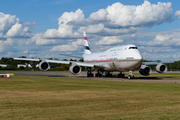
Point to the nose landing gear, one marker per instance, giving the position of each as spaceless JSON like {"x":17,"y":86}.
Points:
{"x":131,"y":76}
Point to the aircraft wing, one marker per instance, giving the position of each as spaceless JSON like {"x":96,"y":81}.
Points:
{"x":72,"y":62}
{"x":154,"y":63}
{"x":51,"y":61}
{"x":84,"y":64}
{"x":57,"y":61}
{"x":27,"y":59}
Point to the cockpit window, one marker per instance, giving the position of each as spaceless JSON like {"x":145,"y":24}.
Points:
{"x":133,"y":48}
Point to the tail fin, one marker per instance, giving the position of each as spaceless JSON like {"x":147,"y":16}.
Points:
{"x":86,"y":44}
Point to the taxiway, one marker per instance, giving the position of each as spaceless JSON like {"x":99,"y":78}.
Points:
{"x":82,"y":75}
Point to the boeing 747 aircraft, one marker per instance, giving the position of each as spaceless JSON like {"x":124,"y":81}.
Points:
{"x":120,"y":58}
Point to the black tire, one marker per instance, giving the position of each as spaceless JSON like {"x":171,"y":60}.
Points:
{"x":91,"y":75}
{"x":121,"y":75}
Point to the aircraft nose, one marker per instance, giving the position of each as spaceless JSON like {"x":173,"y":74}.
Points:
{"x":138,"y":55}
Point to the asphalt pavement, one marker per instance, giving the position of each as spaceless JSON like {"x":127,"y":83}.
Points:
{"x":82,"y":75}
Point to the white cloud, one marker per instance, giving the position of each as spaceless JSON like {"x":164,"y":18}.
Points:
{"x":176,"y":57}
{"x":38,"y":40}
{"x":119,"y":15}
{"x":100,"y":15}
{"x":10,"y":26}
{"x":9,"y":54}
{"x":157,"y":49}
{"x":69,"y":47}
{"x":146,"y":14}
{"x":122,"y":30}
{"x":119,"y":18}
{"x":17,"y":30}
{"x":65,"y":29}
{"x":109,"y":40}
{"x":92,"y":28}
{"x":101,"y":30}
{"x":6,"y":21}
{"x":168,"y":38}
{"x":50,"y":56}
{"x":27,"y":52}
{"x":1,"y":35}
{"x":164,"y":58}
{"x":21,"y":42}
{"x":32,"y":55}
{"x":6,"y":45}
{"x":177,"y":14}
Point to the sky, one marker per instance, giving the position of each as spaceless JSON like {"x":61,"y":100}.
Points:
{"x":43,"y":28}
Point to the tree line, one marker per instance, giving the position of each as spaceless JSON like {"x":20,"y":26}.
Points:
{"x":63,"y":67}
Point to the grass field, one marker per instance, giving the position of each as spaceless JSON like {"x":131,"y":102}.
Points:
{"x":160,"y":75}
{"x":33,"y":97}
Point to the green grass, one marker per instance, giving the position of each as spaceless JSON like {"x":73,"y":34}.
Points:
{"x":29,"y":97}
{"x":161,"y":75}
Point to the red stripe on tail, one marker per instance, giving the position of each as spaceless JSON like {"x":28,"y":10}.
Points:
{"x":85,"y":38}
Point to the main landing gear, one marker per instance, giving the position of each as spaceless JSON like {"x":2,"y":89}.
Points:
{"x":109,"y":74}
{"x":98,"y":74}
{"x":121,"y":75}
{"x":89,"y":73}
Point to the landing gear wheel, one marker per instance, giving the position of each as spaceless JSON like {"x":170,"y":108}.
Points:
{"x":89,"y":73}
{"x":121,"y":75}
{"x":108,"y":74}
{"x":130,"y":76}
{"x":98,"y":74}
{"x":92,"y":75}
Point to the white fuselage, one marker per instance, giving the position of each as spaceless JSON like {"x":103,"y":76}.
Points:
{"x":119,"y":58}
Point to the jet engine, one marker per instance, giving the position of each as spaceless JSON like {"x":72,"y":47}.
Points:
{"x":145,"y":70}
{"x":44,"y":66}
{"x":75,"y":69}
{"x":161,"y":68}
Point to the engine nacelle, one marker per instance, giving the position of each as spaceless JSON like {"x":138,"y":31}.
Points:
{"x":145,"y":70}
{"x":75,"y":69}
{"x":161,"y":68}
{"x":44,"y":66}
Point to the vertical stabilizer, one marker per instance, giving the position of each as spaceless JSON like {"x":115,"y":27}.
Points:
{"x":86,"y":44}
